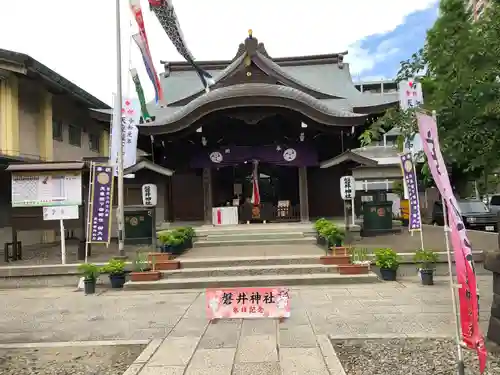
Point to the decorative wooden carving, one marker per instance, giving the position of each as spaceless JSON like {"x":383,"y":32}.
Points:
{"x":250,"y":118}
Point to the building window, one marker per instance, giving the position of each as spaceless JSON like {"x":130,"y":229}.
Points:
{"x":93,"y":142}
{"x":57,"y":130}
{"x":75,"y":135}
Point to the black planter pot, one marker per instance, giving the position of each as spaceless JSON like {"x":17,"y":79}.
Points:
{"x":117,"y":281}
{"x":320,"y":240}
{"x":427,"y":277}
{"x":176,"y":250}
{"x":388,"y":274}
{"x":189,"y":243}
{"x":89,"y":286}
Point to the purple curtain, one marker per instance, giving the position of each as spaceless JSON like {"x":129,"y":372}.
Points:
{"x":297,"y":155}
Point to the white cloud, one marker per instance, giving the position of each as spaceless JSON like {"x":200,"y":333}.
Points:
{"x":77,"y":38}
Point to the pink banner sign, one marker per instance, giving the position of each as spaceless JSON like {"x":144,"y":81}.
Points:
{"x":244,"y":303}
{"x":464,"y":264}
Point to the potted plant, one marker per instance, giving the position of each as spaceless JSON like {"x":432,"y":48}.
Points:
{"x":426,"y":259}
{"x":90,"y":274}
{"x":388,"y":262}
{"x":318,"y":226}
{"x":116,"y":271}
{"x":143,"y":270}
{"x":359,"y":263}
{"x":334,"y":235}
{"x":173,"y":242}
{"x":335,"y":254}
{"x":359,"y":256}
{"x":187,"y":234}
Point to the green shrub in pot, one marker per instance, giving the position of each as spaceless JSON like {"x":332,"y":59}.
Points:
{"x":426,"y":261}
{"x":116,"y":271}
{"x":140,"y":262}
{"x":333,"y":235}
{"x":388,"y":262}
{"x":318,"y":227}
{"x":90,"y":273}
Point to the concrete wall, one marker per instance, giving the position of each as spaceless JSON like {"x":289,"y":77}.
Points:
{"x":27,"y":110}
{"x":29,"y":117}
{"x":67,"y":112}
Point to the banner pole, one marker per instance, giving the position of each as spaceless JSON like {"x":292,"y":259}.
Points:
{"x":87,"y":231}
{"x":418,"y":203}
{"x":118,"y":117}
{"x":460,"y":359}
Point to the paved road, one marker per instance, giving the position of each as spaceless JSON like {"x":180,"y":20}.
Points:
{"x":244,"y":347}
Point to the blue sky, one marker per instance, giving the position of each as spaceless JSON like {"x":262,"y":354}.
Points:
{"x":77,"y":38}
{"x":387,"y":50}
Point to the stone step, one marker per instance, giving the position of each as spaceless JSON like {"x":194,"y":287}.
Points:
{"x":252,"y":236}
{"x":215,"y":262}
{"x":252,"y":281}
{"x":255,"y":242}
{"x":258,"y":228}
{"x":287,"y":269}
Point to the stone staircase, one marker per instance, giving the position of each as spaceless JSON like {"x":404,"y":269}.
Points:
{"x":263,"y":234}
{"x":200,"y":273}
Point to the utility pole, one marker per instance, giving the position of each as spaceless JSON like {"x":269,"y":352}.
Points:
{"x":118,"y":119}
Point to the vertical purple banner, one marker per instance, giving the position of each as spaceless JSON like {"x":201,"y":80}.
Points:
{"x":101,"y":201}
{"x":410,"y":180}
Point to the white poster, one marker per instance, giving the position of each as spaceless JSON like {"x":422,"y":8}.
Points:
{"x":411,"y":95}
{"x":131,"y":113}
{"x":35,"y":189}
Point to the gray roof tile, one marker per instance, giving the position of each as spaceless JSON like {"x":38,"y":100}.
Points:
{"x":327,"y":78}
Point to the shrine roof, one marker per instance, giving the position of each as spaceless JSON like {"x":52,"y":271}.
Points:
{"x":328,"y":74}
{"x":319,"y":87}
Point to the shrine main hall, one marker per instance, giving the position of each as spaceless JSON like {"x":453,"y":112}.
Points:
{"x":293,"y":120}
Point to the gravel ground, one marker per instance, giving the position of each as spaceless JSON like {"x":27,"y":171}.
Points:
{"x":101,"y":360}
{"x":407,"y":357}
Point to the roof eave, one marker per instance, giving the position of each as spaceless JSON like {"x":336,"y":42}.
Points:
{"x":375,"y":109}
{"x":146,"y":164}
{"x":45,"y":166}
{"x":347,"y":156}
{"x":263,"y":95}
{"x":30,"y":65}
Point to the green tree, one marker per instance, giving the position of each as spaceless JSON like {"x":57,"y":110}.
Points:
{"x":458,"y":68}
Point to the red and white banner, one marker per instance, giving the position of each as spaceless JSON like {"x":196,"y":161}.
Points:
{"x":244,"y":303}
{"x":227,"y":215}
{"x":255,"y":184}
{"x":466,"y":276}
{"x":143,"y":44}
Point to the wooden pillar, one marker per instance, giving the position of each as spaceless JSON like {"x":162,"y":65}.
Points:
{"x":169,"y":202}
{"x":9,"y":116}
{"x":45,"y":138}
{"x":207,"y":195}
{"x":303,"y":195}
{"x":104,"y":144}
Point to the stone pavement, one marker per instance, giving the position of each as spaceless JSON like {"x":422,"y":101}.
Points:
{"x":188,"y":344}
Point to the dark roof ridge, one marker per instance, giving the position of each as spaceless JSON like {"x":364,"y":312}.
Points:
{"x":321,"y":59}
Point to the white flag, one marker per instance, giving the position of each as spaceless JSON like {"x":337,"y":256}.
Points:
{"x":131,"y":113}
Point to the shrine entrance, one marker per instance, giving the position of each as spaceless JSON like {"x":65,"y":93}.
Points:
{"x":278,"y":187}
